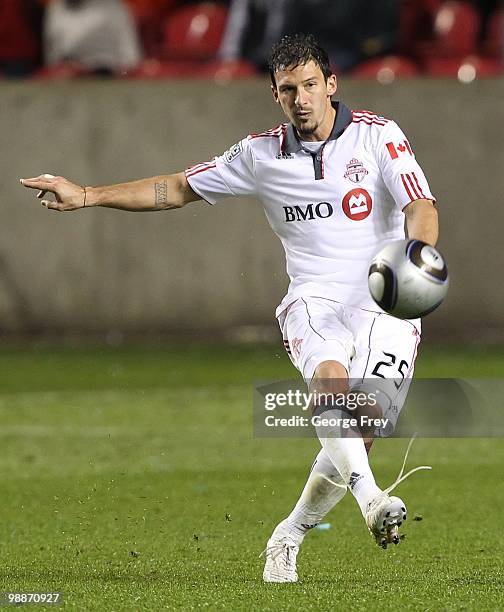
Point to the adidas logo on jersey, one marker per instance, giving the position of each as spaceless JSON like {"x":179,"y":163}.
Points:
{"x":283,"y":155}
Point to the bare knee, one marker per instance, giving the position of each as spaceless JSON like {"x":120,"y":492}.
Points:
{"x":330,"y":377}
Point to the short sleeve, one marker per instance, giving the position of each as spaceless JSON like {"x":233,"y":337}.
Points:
{"x":400,"y":170}
{"x":230,"y":174}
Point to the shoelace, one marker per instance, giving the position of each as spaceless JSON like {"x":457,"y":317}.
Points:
{"x":276,"y":550}
{"x":400,"y":477}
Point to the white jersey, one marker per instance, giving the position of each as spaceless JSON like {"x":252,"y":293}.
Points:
{"x":333,"y":208}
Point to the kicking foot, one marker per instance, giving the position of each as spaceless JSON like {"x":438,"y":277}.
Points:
{"x":281,"y":552}
{"x":384,"y":515}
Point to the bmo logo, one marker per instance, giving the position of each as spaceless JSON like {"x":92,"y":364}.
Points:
{"x":322,"y":210}
{"x":357,"y":204}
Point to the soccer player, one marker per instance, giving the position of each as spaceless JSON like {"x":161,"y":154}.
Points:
{"x":336,"y":186}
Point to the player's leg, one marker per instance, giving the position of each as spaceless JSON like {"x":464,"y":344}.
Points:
{"x":344,"y":445}
{"x":324,"y":487}
{"x":325,"y":348}
{"x":322,"y":491}
{"x":386,"y":349}
{"x":346,"y":448}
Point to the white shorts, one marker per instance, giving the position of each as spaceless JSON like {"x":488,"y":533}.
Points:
{"x":369,"y":345}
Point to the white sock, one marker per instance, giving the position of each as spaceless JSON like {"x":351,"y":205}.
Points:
{"x":319,"y":496}
{"x":349,"y":457}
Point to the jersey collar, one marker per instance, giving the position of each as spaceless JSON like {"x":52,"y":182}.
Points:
{"x":292,"y":144}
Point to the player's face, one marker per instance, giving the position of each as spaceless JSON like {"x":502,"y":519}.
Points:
{"x":305,"y":97}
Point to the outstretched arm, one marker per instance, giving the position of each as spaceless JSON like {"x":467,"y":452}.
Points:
{"x":155,"y":193}
{"x":422,"y":221}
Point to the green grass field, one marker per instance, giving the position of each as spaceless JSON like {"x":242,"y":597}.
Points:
{"x":130,"y":480}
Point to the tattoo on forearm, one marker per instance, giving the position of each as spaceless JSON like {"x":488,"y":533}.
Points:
{"x":161,"y":190}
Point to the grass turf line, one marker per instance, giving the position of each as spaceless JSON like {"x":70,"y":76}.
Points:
{"x":131,"y":481}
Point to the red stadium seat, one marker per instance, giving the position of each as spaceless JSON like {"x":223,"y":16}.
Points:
{"x":143,"y":10}
{"x":194,"y":32}
{"x":149,"y":16}
{"x":456,"y":29}
{"x":386,"y":69}
{"x":416,"y":23}
{"x":466,"y":70}
{"x":18,"y":35}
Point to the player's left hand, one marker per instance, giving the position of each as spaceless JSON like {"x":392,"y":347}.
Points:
{"x":69,"y":196}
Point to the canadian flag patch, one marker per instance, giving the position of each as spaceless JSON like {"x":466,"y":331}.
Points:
{"x":396,"y":150}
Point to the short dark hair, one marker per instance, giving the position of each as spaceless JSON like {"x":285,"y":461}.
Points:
{"x":296,"y":50}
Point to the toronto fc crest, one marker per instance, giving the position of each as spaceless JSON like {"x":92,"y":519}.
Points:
{"x":355,"y":171}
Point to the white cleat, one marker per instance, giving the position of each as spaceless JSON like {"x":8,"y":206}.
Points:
{"x":384,"y":515}
{"x":281,"y":553}
{"x":280,"y":563}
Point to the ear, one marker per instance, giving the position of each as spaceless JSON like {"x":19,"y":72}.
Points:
{"x":274,"y":91}
{"x":332,"y":85}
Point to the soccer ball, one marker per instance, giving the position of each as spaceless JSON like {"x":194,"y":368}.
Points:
{"x":408,"y":279}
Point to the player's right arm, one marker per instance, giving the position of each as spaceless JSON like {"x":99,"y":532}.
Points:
{"x":230,"y":174}
{"x":156,"y":193}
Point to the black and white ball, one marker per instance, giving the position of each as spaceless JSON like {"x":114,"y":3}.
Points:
{"x":408,"y":278}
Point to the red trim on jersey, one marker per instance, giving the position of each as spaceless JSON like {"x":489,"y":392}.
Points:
{"x":200,"y":165}
{"x":273,"y":132}
{"x":371,"y":115}
{"x":368,"y":121}
{"x":265,"y":135}
{"x":190,"y":173}
{"x":408,"y":147}
{"x":284,"y":140}
{"x":410,"y":195}
{"x":273,"y":129}
{"x":392,"y":150}
{"x":414,"y":190}
{"x":418,"y":185}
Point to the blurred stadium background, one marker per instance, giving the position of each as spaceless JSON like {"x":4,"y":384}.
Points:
{"x":88,"y":115}
{"x":115,"y":326}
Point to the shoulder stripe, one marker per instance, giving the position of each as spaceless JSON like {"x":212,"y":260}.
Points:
{"x":265,"y":135}
{"x":192,"y":172}
{"x":201,"y":165}
{"x":370,"y":122}
{"x":370,"y":115}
